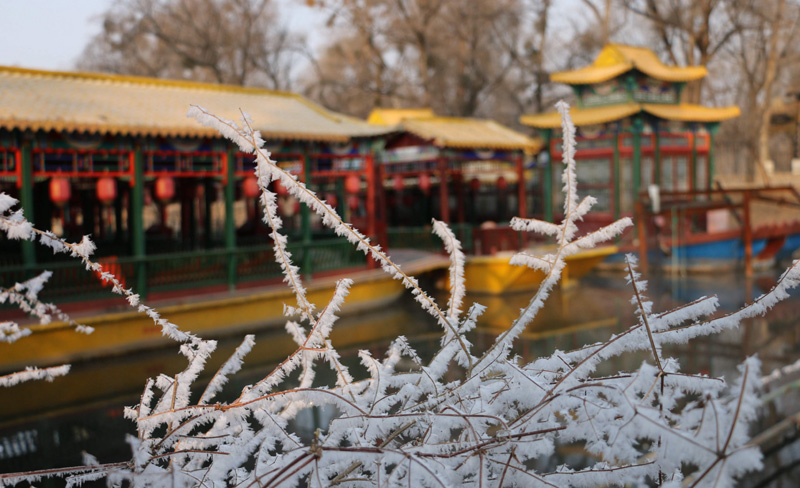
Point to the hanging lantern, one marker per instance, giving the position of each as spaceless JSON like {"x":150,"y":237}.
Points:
{"x":280,"y":190}
{"x":59,"y":191}
{"x":250,"y":187}
{"x":502,"y":184}
{"x":397,"y":183}
{"x":106,"y":190}
{"x":425,"y":182}
{"x":165,"y":189}
{"x":332,"y":200}
{"x":352,"y":202}
{"x":475,"y":184}
{"x":352,"y":184}
{"x":296,"y":207}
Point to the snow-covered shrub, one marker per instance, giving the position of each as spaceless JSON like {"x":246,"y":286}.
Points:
{"x":462,"y":418}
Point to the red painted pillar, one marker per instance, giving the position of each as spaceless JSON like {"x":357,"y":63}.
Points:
{"x":383,"y":213}
{"x":371,"y":192}
{"x":748,"y":236}
{"x":444,"y":203}
{"x":522,"y":211}
{"x":460,"y":184}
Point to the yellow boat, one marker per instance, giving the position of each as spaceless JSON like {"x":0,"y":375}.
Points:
{"x":210,"y":316}
{"x":494,"y":275}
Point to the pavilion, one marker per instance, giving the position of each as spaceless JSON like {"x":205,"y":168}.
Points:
{"x":116,"y":157}
{"x":475,"y":166}
{"x":633,"y":131}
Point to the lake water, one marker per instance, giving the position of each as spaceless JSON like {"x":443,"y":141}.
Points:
{"x":46,"y":425}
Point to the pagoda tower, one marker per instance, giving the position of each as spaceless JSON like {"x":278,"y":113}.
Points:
{"x":633,"y":131}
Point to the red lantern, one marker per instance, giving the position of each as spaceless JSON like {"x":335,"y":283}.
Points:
{"x":425,"y":182}
{"x":59,"y":191}
{"x":397,"y":183}
{"x":165,"y":189}
{"x":106,"y":190}
{"x":475,"y":183}
{"x":280,"y":190}
{"x":296,"y":207}
{"x":250,"y":187}
{"x":502,"y":184}
{"x":352,"y":202}
{"x":352,"y":184}
{"x":332,"y":200}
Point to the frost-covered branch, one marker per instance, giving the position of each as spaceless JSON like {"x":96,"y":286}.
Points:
{"x":454,"y":418}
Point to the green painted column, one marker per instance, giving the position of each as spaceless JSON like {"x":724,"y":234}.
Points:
{"x":657,"y":153}
{"x":630,"y":87}
{"x":638,"y":124}
{"x":305,"y":218}
{"x":341,"y":197}
{"x":712,"y":130}
{"x":230,"y":220}
{"x":694,"y":157}
{"x":547,"y":135}
{"x":137,"y":223}
{"x":208,"y":193}
{"x":617,"y":178}
{"x":27,"y":200}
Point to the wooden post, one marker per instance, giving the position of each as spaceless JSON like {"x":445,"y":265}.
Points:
{"x":444,"y":204}
{"x":522,"y":210}
{"x":548,"y":177}
{"x":693,"y":172}
{"x":641,"y":229}
{"x":383,"y":211}
{"x":748,"y":236}
{"x":460,"y":185}
{"x":26,"y":198}
{"x":712,"y":131}
{"x":657,"y":153}
{"x":637,"y":155}
{"x":229,"y":184}
{"x":371,"y":207}
{"x":617,"y":176}
{"x":305,"y":218}
{"x":137,"y":222}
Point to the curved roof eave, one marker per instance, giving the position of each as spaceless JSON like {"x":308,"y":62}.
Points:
{"x":581,"y":117}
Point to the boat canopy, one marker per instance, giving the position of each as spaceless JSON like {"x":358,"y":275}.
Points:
{"x":456,"y":132}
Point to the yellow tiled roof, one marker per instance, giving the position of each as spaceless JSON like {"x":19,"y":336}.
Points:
{"x":585,"y":116}
{"x":88,"y":102}
{"x":685,"y":112}
{"x":393,"y":116}
{"x":616,"y":59}
{"x":688,"y":112}
{"x":459,"y":132}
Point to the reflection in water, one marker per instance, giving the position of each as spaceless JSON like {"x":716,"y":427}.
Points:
{"x":50,"y":424}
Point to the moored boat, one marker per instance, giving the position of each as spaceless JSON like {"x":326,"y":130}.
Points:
{"x":494,"y":275}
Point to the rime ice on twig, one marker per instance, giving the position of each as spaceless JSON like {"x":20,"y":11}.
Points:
{"x":493,"y":421}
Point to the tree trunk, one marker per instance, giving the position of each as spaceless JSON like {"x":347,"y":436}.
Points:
{"x":769,"y":79}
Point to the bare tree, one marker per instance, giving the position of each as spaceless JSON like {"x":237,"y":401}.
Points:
{"x":219,"y":41}
{"x":691,"y":32}
{"x":458,"y":57}
{"x":757,"y":60}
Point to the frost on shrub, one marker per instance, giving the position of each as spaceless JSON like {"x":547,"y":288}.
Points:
{"x":462,"y":418}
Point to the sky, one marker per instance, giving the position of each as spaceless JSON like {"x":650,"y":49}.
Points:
{"x":51,"y":34}
{"x":47,"y":34}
